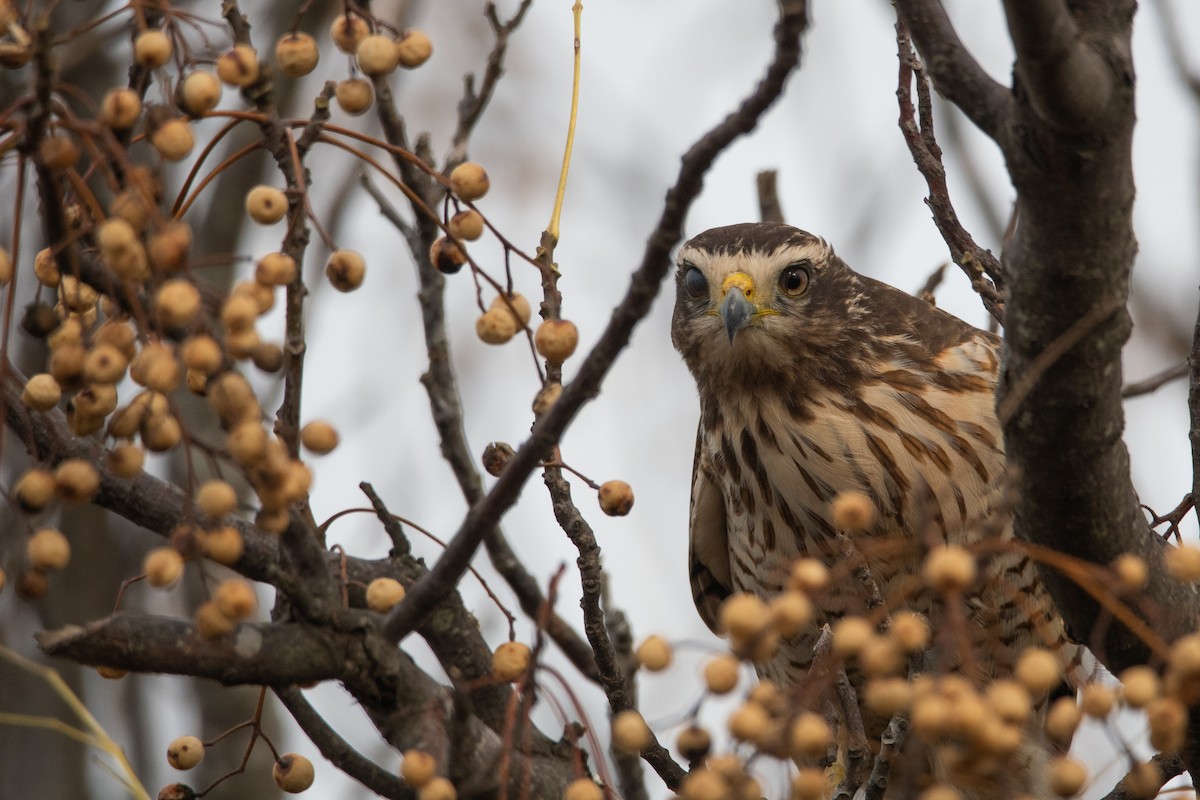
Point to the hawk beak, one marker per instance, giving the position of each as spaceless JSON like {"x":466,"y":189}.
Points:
{"x":736,"y":308}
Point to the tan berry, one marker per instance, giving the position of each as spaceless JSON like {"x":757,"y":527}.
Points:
{"x":1183,"y":563}
{"x":45,"y":268}
{"x":347,"y":31}
{"x":224,"y":545}
{"x":469,"y":181}
{"x":887,"y":696}
{"x":791,"y":613}
{"x":693,"y":743}
{"x":296,"y":54}
{"x":161,"y":432}
{"x":850,"y":636}
{"x":48,"y":549}
{"x":808,"y":575}
{"x":704,"y":784}
{"x":881,"y":656}
{"x":496,"y":456}
{"x":41,"y":392}
{"x":32,"y":584}
{"x":466,"y":225}
{"x":438,"y":789}
{"x":155,"y":367}
{"x":293,"y":773}
{"x":345,"y":270}
{"x":354,"y":95}
{"x":940,"y":791}
{"x":1131,"y":571}
{"x":118,"y":334}
{"x":238,"y":66}
{"x":132,"y":206}
{"x":852,"y":511}
{"x":200,"y":93}
{"x":510,"y":661}
{"x":108,"y":673}
{"x":120,"y":108}
{"x":152,"y":49}
{"x":1097,"y":700}
{"x":418,"y":768}
{"x":811,"y":736}
{"x":1038,"y":670}
{"x":35,"y":489}
{"x":1010,"y":701}
{"x":275,"y":269}
{"x":616,"y":498}
{"x":266,"y":205}
{"x":105,"y":364}
{"x":515,"y":305}
{"x":202,"y":353}
{"x":174,"y":139}
{"x":1139,"y":686}
{"x":496,"y":326}
{"x":630,"y":732}
{"x":76,"y":295}
{"x":58,"y":152}
{"x":744,"y":616}
{"x":721,"y":674}
{"x":76,"y":480}
{"x":546,"y":397}
{"x":1167,"y":719}
{"x":239,"y":312}
{"x":810,"y":784}
{"x":583,"y":789}
{"x":949,"y":569}
{"x":376,"y":55}
{"x":168,"y":247}
{"x":413,"y":48}
{"x":749,"y":722}
{"x":176,"y":303}
{"x":1066,"y":776}
{"x":654,"y":654}
{"x":268,"y":357}
{"x":247,"y":442}
{"x":6,"y":267}
{"x":383,"y":594}
{"x":163,"y":567}
{"x":933,"y":717}
{"x":216,"y":498}
{"x":126,"y":460}
{"x":185,"y":752}
{"x":1062,"y":720}
{"x":319,"y":437}
{"x":1143,"y":781}
{"x":447,"y":255}
{"x":66,"y":364}
{"x":556,"y":339}
{"x":909,"y":631}
{"x":235,"y":598}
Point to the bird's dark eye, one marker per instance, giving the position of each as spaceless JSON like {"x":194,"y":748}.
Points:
{"x":794,"y":280}
{"x":695,"y":283}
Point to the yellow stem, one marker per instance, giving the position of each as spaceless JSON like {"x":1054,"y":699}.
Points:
{"x":552,"y":228}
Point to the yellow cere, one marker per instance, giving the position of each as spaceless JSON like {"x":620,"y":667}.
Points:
{"x":739,"y":280}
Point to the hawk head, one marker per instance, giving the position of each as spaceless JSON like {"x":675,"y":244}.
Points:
{"x":763,"y":301}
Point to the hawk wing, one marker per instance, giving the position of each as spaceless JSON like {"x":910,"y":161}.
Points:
{"x":708,"y":544}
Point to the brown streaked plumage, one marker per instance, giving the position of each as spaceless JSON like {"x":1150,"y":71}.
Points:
{"x":815,"y":380}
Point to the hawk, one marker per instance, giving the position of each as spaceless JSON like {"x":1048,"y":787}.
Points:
{"x":815,"y":380}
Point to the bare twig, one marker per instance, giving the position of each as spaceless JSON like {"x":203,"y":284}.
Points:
{"x":769,"y":208}
{"x":1154,"y":382}
{"x":1169,"y":765}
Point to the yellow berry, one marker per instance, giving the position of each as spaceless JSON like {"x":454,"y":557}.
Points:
{"x":48,"y":549}
{"x":152,"y":49}
{"x":185,"y":752}
{"x":163,"y":567}
{"x":721,"y":674}
{"x":319,"y":437}
{"x":266,"y":205}
{"x":347,"y":31}
{"x":293,"y":773}
{"x":556,"y":339}
{"x":1066,"y":776}
{"x":120,"y":108}
{"x":376,"y":55}
{"x":418,"y":768}
{"x":438,"y":789}
{"x":200,"y":93}
{"x":510,"y":661}
{"x":466,"y":225}
{"x":469,"y":181}
{"x":296,"y":54}
{"x":216,"y":498}
{"x":852,"y":512}
{"x":383,"y":594}
{"x":413,"y":48}
{"x":949,"y":569}
{"x":654,"y":654}
{"x":41,"y":392}
{"x":630,"y":732}
{"x":174,"y":139}
{"x":76,"y":480}
{"x":345,"y":270}
{"x":238,"y":66}
{"x":354,"y":95}
{"x":616,"y":498}
{"x":235,"y":598}
{"x":496,"y":326}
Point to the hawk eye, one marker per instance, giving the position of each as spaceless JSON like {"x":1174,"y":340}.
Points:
{"x":794,"y":280}
{"x":695,"y":283}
